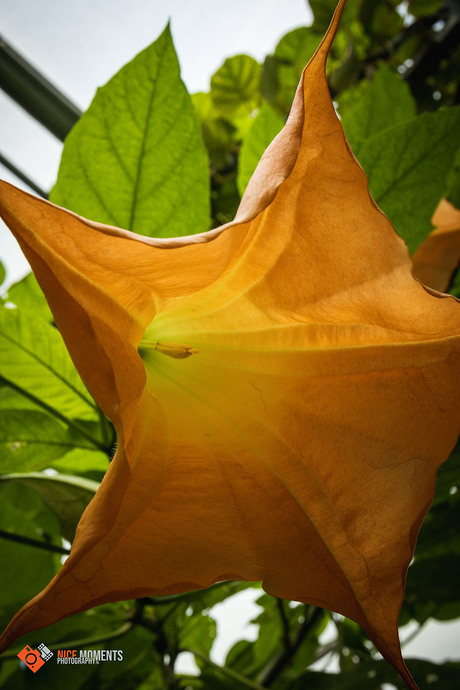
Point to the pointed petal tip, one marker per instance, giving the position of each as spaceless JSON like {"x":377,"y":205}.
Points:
{"x":322,"y":52}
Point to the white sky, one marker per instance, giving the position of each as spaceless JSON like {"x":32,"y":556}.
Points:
{"x":78,"y":45}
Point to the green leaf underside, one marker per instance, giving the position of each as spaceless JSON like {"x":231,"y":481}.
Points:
{"x":265,"y":127}
{"x":136,"y":159}
{"x":35,"y":362}
{"x":31,"y":440}
{"x":65,"y":496}
{"x":407,"y":166}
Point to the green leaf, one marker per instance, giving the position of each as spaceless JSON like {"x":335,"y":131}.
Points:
{"x":265,"y":127}
{"x":31,"y":440}
{"x":385,"y":103}
{"x":25,"y":570}
{"x":66,"y":496}
{"x":407,"y":166}
{"x":27,"y":294}
{"x":91,"y":464}
{"x":235,"y":87}
{"x":34,"y":360}
{"x":198,"y":633}
{"x":136,"y":159}
{"x":2,"y":273}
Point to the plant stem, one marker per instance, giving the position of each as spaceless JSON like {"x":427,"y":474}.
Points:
{"x":271,"y":672}
{"x":34,"y":542}
{"x":245,"y":682}
{"x":286,"y":632}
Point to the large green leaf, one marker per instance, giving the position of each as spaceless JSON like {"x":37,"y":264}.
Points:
{"x":66,"y":496}
{"x":407,"y":167}
{"x":31,"y":440}
{"x":265,"y":127}
{"x":136,"y":159}
{"x":34,"y":360}
{"x":385,"y":103}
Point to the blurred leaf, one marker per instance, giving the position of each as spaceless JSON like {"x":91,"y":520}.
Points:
{"x":135,"y":159}
{"x":31,"y":440}
{"x":225,"y":199}
{"x":448,"y":478}
{"x":432,"y":588}
{"x":407,"y":167}
{"x":2,"y":273}
{"x":65,"y":496}
{"x":324,"y":9}
{"x":455,"y":285}
{"x":34,"y":360}
{"x":235,"y":85}
{"x":219,"y":134}
{"x":420,"y":8}
{"x":281,"y":71}
{"x":386,"y":102}
{"x":453,"y":181}
{"x":27,"y":294}
{"x":371,"y":675}
{"x":265,"y":127}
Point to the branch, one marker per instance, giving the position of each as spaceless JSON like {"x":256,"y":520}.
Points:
{"x":285,"y":623}
{"x":46,"y":546}
{"x":273,"y":670}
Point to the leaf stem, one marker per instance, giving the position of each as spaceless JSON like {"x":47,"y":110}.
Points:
{"x":34,"y":542}
{"x":245,"y":682}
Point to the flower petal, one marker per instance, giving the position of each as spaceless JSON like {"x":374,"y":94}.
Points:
{"x":437,"y":259}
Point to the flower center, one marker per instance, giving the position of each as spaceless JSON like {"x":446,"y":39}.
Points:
{"x":176,"y":350}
